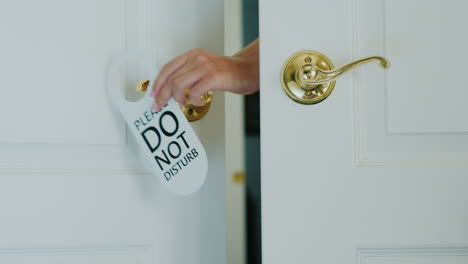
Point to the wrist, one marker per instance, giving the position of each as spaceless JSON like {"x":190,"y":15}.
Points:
{"x":246,"y":72}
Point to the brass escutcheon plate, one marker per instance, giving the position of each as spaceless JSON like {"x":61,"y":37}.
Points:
{"x":293,"y":68}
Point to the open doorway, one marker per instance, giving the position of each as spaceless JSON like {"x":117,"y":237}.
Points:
{"x":252,"y":145}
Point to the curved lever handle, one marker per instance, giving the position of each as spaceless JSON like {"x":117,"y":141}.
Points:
{"x":191,"y":112}
{"x":308,"y":76}
{"x":312,"y":75}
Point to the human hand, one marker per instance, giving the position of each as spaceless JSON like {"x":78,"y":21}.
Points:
{"x":201,"y":71}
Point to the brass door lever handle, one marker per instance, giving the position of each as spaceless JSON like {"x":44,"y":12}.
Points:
{"x":308,"y":77}
{"x":191,"y":112}
{"x":312,"y":75}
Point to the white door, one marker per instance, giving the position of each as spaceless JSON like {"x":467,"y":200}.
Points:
{"x":71,"y":187}
{"x":377,"y":173}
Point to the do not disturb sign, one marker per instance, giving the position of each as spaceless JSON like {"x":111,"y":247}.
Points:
{"x":171,"y":146}
{"x":166,"y":139}
{"x":173,"y":157}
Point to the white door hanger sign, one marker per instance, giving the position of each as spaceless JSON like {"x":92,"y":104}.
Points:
{"x":166,"y":138}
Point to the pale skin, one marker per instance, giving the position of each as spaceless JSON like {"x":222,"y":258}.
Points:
{"x":201,"y":71}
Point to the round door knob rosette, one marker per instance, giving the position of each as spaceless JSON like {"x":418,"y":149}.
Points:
{"x":299,"y":69}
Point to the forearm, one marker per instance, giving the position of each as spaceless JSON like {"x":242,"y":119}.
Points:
{"x":248,"y":68}
{"x":251,"y":49}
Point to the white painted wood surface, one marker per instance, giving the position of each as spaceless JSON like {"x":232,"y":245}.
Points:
{"x":71,"y":187}
{"x":377,"y":173}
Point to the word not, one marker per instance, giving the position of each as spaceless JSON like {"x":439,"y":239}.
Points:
{"x":168,"y":157}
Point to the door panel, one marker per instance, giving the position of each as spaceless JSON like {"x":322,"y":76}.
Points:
{"x":430,"y":70}
{"x":454,"y":255}
{"x":414,"y":113}
{"x":58,"y":48}
{"x":377,"y":170}
{"x":53,"y":106}
{"x":72,"y":188}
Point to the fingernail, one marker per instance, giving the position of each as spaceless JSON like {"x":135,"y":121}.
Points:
{"x":155,"y":106}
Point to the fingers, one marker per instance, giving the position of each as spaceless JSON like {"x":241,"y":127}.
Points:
{"x":196,"y":70}
{"x":169,"y":69}
{"x":206,"y":84}
{"x":161,"y":100}
{"x":176,"y":86}
{"x":185,"y":82}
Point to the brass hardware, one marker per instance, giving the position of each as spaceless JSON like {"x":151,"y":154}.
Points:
{"x":308,"y":77}
{"x":191,"y":112}
{"x":142,"y":86}
{"x":239,"y":177}
{"x":194,"y":113}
